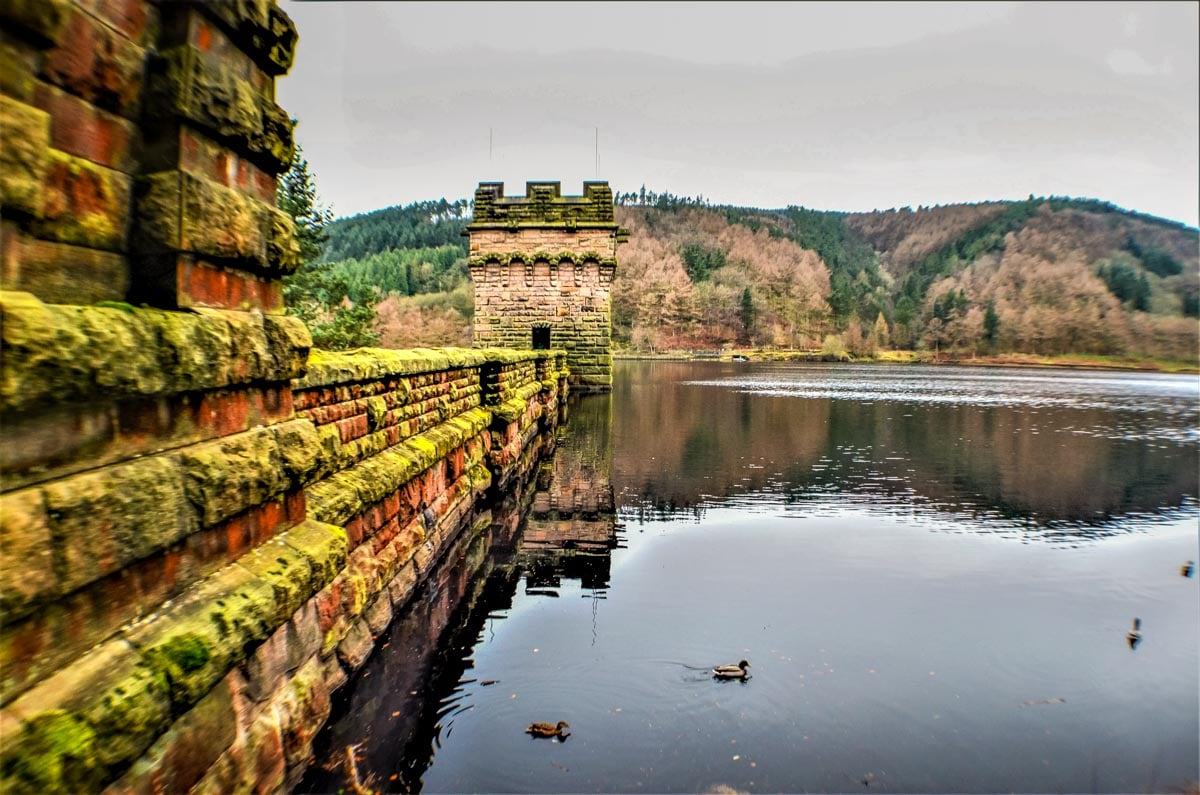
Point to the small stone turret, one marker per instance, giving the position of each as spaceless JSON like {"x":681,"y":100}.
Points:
{"x":542,"y":265}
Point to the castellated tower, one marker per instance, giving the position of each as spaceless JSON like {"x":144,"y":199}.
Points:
{"x":542,"y":265}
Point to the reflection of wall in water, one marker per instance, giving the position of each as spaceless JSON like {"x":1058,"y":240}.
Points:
{"x":570,"y":529}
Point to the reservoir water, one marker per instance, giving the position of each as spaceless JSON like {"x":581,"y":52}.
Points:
{"x":933,"y":572}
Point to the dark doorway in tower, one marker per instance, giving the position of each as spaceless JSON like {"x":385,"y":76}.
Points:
{"x":541,"y":338}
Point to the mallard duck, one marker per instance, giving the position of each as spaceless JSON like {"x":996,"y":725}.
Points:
{"x":731,"y":671}
{"x":1135,"y":636}
{"x":548,"y":729}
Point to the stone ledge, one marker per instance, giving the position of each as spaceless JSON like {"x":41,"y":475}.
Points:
{"x":327,"y":368}
{"x":345,"y":494}
{"x":71,"y":532}
{"x":78,"y":729}
{"x":57,"y":353}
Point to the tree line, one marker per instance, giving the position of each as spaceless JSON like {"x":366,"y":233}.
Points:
{"x":1040,"y":275}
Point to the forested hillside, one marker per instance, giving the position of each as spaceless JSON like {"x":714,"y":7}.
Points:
{"x":1044,"y":275}
{"x":416,"y":257}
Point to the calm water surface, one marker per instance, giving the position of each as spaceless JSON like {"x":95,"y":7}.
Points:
{"x":932,"y":571}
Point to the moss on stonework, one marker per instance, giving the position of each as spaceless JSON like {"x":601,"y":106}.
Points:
{"x":264,"y":32}
{"x":286,"y":570}
{"x":543,"y":204}
{"x":228,"y":476}
{"x":100,"y":221}
{"x":183,"y":212}
{"x":324,"y":546}
{"x":330,"y":368}
{"x":55,"y":752}
{"x":221,"y":618}
{"x":344,"y":495}
{"x":60,"y":354}
{"x":183,"y":81}
{"x":24,"y":156}
{"x":44,"y":19}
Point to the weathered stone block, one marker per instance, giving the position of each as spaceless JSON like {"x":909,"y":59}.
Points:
{"x":105,"y":520}
{"x":198,"y":154}
{"x":56,"y":354}
{"x":44,"y":20}
{"x":262,"y":765}
{"x":60,"y":273}
{"x":205,"y":633}
{"x":303,"y":707}
{"x":298,"y":444}
{"x":226,"y":477}
{"x":324,"y":545}
{"x":26,"y":562}
{"x":134,"y":19}
{"x":357,"y":646}
{"x":84,"y":203}
{"x":180,"y":212}
{"x":288,"y":572}
{"x":260,"y":28}
{"x":186,"y":283}
{"x":24,"y":156}
{"x":18,"y":66}
{"x":96,"y":63}
{"x":192,"y":86}
{"x":378,"y":614}
{"x":181,"y":756}
{"x":84,"y":130}
{"x":295,"y":642}
{"x":80,"y":726}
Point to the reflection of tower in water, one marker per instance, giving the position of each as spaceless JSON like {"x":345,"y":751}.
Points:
{"x":570,"y":530}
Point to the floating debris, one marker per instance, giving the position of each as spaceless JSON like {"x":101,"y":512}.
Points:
{"x":1135,"y":635}
{"x":1035,"y":701}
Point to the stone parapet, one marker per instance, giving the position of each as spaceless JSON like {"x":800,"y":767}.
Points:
{"x":184,"y":617}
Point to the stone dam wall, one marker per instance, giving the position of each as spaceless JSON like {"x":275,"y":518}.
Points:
{"x":203,"y":524}
{"x":181,"y":600}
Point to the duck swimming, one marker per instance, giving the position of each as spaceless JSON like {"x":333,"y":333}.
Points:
{"x":732,"y":671}
{"x":548,"y":729}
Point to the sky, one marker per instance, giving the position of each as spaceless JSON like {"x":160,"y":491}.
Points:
{"x":832,"y":106}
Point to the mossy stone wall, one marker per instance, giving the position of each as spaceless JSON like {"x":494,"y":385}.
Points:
{"x":203,"y":524}
{"x":234,"y":584}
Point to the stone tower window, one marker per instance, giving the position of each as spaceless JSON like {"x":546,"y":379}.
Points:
{"x":541,"y":338}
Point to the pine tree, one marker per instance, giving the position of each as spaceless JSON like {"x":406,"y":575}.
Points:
{"x":991,"y":324}
{"x":747,"y":313}
{"x":337,"y":317}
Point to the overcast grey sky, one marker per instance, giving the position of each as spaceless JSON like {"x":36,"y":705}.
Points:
{"x":838,"y":106}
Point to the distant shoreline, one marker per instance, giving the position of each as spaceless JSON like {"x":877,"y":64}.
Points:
{"x":1067,"y":361}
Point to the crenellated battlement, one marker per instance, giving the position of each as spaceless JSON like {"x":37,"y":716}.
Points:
{"x":543,"y":206}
